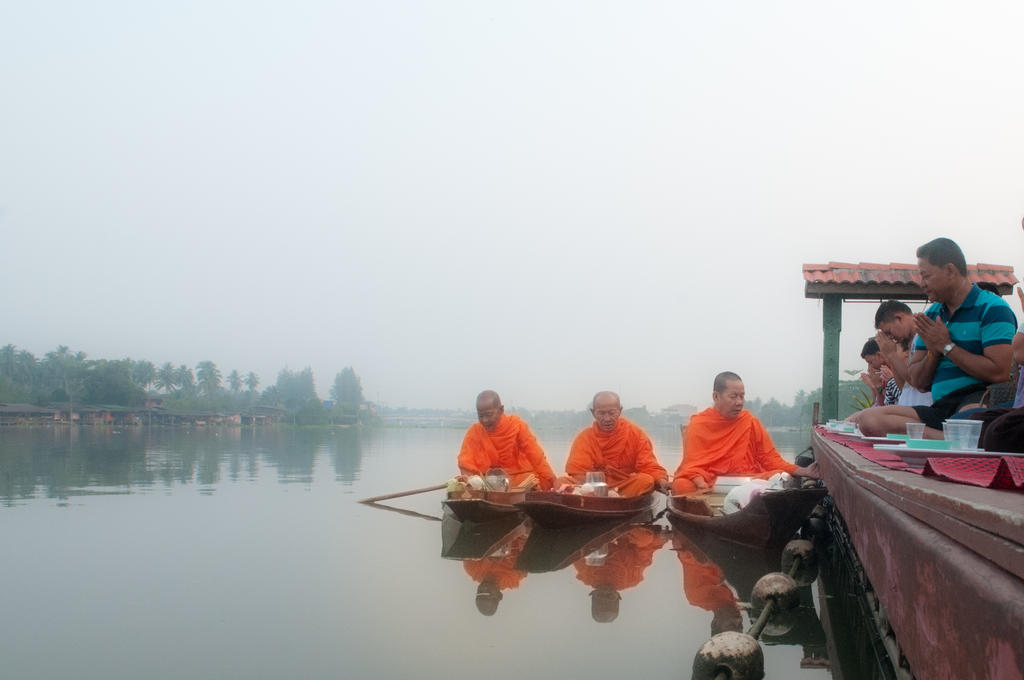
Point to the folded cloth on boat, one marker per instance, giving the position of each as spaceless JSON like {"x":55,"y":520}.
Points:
{"x":740,"y":496}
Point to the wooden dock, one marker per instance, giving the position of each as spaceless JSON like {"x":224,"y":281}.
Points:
{"x":945,"y":560}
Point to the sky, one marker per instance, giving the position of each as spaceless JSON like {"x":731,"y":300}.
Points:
{"x":542,"y":198}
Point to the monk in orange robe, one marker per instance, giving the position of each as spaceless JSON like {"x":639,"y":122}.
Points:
{"x":495,"y":574}
{"x":623,"y":567}
{"x":503,"y":441}
{"x":618,"y":448}
{"x":726,"y":440}
{"x":704,"y":586}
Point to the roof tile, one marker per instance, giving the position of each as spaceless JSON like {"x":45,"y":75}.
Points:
{"x":897,"y":273}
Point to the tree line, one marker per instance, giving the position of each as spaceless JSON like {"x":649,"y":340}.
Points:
{"x":62,"y":376}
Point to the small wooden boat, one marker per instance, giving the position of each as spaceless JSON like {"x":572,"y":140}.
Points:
{"x":554,"y":510}
{"x":550,"y":549}
{"x":768,"y":521}
{"x":474,"y":541}
{"x":485,"y":506}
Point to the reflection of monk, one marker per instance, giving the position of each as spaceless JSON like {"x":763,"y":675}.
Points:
{"x":628,"y":556}
{"x":495,"y":574}
{"x":726,"y":440}
{"x":618,"y":448}
{"x":503,"y":441}
{"x":705,"y":587}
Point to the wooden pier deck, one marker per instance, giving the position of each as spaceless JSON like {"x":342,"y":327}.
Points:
{"x":946,"y":562}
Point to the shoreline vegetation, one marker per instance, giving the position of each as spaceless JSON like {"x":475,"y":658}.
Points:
{"x":65,"y":386}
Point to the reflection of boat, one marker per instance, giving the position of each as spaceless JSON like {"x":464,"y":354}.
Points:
{"x":552,"y":509}
{"x":476,"y":540}
{"x":741,"y":565}
{"x":769,"y":520}
{"x":551,"y":549}
{"x":484,"y":506}
{"x":712,"y":565}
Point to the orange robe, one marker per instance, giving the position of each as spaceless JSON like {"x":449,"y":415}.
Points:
{"x":511,"y":446}
{"x":704,"y":584}
{"x":503,"y":572}
{"x":629,"y":556}
{"x":716,"y":446}
{"x":625,"y":455}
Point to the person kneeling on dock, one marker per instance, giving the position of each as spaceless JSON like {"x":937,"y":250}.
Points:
{"x":727,"y":440}
{"x":618,"y":448}
{"x":962,"y":346}
{"x":503,"y":441}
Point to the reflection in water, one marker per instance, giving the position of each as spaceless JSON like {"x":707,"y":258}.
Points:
{"x":704,"y":586}
{"x":497,"y":571}
{"x":66,"y":462}
{"x":617,"y":566}
{"x":346,"y":455}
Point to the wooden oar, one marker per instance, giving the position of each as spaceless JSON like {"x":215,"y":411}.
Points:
{"x":411,"y":492}
{"x":402,"y":511}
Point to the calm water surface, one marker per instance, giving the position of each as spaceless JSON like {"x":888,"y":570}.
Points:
{"x":230,"y":553}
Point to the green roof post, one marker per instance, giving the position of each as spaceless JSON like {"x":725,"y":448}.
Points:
{"x":832,"y":322}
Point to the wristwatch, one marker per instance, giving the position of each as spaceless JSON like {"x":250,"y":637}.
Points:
{"x":947,"y":349}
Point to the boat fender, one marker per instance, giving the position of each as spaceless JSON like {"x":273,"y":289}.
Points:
{"x":778,"y":587}
{"x":807,"y":569}
{"x":738,"y":655}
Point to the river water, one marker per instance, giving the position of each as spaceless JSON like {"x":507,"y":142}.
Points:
{"x":240,"y":553}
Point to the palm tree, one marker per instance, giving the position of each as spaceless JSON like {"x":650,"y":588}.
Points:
{"x":8,"y":359}
{"x":143,"y":373}
{"x":208,"y":377}
{"x":166,"y":377}
{"x":184,"y":379}
{"x":235,"y":381}
{"x":252,"y":381}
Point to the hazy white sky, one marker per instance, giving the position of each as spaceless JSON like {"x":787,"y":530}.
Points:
{"x":543,"y":198}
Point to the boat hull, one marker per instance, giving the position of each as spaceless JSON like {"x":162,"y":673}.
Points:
{"x":485,"y":506}
{"x":555,"y":510}
{"x":474,"y":541}
{"x":768,"y":521}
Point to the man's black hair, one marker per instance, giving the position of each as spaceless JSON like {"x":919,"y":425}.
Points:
{"x":943,"y":251}
{"x":888,"y":309}
{"x":870,"y":347}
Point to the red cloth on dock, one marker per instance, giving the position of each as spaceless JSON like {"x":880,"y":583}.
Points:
{"x":865,"y":448}
{"x":1006,"y":472}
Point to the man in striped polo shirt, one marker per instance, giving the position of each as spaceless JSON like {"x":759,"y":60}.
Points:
{"x":962,"y":346}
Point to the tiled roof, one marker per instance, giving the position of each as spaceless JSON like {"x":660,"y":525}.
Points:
{"x":896,"y":273}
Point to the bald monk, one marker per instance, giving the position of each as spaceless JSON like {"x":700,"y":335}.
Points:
{"x":628,"y":557}
{"x":495,"y":574}
{"x":503,"y":441}
{"x":618,"y":448}
{"x":726,"y":440}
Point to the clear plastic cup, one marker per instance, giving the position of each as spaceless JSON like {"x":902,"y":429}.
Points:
{"x":915,"y":430}
{"x":597,"y":481}
{"x":962,"y":434}
{"x":597,"y":558}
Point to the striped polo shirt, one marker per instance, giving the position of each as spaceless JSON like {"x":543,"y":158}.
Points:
{"x":982,"y":320}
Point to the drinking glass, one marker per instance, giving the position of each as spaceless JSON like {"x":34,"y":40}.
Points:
{"x":915,"y":430}
{"x":597,"y":480}
{"x":496,"y":479}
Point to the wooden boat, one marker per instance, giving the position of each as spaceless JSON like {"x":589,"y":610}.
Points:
{"x":485,"y":506}
{"x":553,"y":510}
{"x":768,"y":521}
{"x":551,"y":549}
{"x":473,"y":540}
